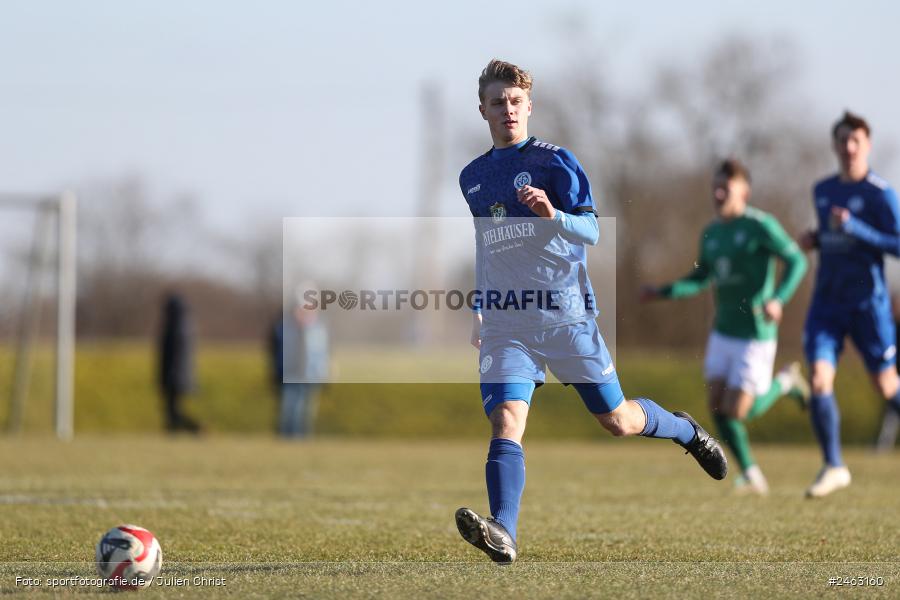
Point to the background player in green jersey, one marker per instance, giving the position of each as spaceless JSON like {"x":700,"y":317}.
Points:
{"x":737,"y":252}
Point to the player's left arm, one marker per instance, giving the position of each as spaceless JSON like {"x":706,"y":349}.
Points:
{"x":778,"y":242}
{"x":577,"y":221}
{"x":886,"y":239}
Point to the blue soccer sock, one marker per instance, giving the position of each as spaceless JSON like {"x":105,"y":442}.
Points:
{"x":505,"y":476}
{"x":826,"y":421}
{"x":663,"y":424}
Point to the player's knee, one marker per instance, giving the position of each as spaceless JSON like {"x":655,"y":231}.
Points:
{"x":508,"y":419}
{"x":887,"y":383}
{"x":821,"y":377}
{"x":738,"y":404}
{"x":618,"y":430}
{"x":822,"y":382}
{"x":620,"y":422}
{"x":739,"y":412}
{"x":613,"y":425}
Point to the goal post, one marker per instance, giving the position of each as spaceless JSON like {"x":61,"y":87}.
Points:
{"x":65,"y":321}
{"x":62,"y":209}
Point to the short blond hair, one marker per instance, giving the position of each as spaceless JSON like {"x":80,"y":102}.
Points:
{"x":498,"y":70}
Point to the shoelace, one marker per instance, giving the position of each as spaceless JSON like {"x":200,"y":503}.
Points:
{"x":705,"y":448}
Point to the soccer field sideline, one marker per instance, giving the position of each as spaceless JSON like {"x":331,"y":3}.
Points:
{"x":335,"y":518}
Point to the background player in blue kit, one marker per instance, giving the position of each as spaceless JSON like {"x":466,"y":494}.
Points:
{"x":523,"y":181}
{"x":858,"y":222}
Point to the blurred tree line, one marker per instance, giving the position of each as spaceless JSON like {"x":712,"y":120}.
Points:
{"x":651,"y":157}
{"x":134,"y":248}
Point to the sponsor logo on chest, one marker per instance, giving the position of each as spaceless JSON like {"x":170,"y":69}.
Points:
{"x":498,"y":212}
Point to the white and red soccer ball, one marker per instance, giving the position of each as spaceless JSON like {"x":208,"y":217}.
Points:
{"x":128,"y":557}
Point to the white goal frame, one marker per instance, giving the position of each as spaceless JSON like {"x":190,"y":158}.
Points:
{"x":63,"y":209}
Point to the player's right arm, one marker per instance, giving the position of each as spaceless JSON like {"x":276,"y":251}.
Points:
{"x":475,"y":338}
{"x":809,"y":239}
{"x":691,"y":284}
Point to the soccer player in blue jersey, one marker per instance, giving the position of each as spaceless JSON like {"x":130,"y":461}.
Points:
{"x":858,"y":222}
{"x":533,"y":213}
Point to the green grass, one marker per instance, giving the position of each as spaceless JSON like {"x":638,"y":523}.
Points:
{"x":373,"y":519}
{"x":115,"y":391}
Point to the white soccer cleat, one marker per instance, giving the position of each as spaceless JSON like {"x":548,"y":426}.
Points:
{"x":793,"y":384}
{"x":752,"y":481}
{"x":830,"y":479}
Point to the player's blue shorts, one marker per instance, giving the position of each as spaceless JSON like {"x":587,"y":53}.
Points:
{"x":513,"y":365}
{"x":871,"y":328}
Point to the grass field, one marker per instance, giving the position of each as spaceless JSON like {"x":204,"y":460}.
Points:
{"x":373,"y":519}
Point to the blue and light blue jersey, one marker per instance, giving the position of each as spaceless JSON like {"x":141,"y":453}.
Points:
{"x":851,"y":259}
{"x":531,"y":272}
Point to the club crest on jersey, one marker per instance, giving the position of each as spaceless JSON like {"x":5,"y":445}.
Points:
{"x":486,"y":363}
{"x":739,"y":238}
{"x":522,"y":179}
{"x":855,"y":204}
{"x":822,"y":201}
{"x":498,"y":212}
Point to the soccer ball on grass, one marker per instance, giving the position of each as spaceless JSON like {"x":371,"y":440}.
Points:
{"x":129,"y":557}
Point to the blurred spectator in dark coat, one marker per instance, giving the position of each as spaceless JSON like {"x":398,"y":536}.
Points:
{"x":176,"y":362}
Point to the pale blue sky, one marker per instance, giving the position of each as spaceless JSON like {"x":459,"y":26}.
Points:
{"x":267,"y":109}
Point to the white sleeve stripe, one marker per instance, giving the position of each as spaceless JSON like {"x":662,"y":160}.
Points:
{"x":877,"y":181}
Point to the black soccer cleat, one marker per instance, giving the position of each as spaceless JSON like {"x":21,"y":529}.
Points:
{"x":487,"y":535}
{"x":705,"y":449}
